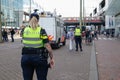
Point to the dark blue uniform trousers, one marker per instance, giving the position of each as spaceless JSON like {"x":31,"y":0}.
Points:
{"x":31,"y":63}
{"x":78,"y":42}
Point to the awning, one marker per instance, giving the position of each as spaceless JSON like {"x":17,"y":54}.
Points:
{"x":113,"y":8}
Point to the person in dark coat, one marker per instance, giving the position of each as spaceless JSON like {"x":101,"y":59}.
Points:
{"x":12,"y":34}
{"x":5,"y":35}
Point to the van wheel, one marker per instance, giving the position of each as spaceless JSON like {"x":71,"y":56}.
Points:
{"x":58,"y":44}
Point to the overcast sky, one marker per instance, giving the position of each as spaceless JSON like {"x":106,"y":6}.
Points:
{"x":67,"y":8}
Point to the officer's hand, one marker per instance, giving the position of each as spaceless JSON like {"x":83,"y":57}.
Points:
{"x":52,"y":63}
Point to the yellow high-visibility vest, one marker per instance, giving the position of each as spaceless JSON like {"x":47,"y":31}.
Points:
{"x":32,"y":38}
{"x":77,"y":32}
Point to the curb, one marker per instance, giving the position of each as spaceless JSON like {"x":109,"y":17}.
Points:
{"x":93,"y":74}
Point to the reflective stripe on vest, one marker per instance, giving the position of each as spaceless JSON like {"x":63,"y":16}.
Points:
{"x":77,"y":32}
{"x":31,"y":38}
{"x":32,"y":45}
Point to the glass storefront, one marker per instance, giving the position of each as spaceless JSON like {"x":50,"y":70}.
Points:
{"x":10,"y":12}
{"x":13,"y":12}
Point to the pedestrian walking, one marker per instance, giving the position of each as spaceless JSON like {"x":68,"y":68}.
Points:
{"x":87,"y":36}
{"x":71,"y":38}
{"x":12,"y":32}
{"x":96,"y":34}
{"x":21,"y":32}
{"x":35,"y":51}
{"x":5,"y":35}
{"x":107,"y":33}
{"x":22,"y":29}
{"x":78,"y":38}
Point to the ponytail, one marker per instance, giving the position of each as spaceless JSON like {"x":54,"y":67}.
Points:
{"x":33,"y":22}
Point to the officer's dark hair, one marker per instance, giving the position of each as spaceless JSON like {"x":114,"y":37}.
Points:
{"x":34,"y":14}
{"x":35,"y":10}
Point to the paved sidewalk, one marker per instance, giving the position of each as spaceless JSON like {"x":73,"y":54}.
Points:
{"x":108,"y":59}
{"x":69,"y":65}
{"x":10,"y":53}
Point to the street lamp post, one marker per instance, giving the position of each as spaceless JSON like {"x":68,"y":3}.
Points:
{"x":0,"y":24}
{"x":5,"y":22}
{"x":30,"y":6}
{"x":83,"y":13}
{"x":80,"y":13}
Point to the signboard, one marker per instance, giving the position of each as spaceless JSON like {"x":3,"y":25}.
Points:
{"x":109,"y":22}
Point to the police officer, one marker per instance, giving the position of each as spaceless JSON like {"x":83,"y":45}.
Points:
{"x":78,"y":38}
{"x":35,"y":51}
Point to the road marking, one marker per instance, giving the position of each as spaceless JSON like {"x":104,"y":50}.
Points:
{"x":103,"y":38}
{"x":109,"y":38}
{"x":99,"y":38}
